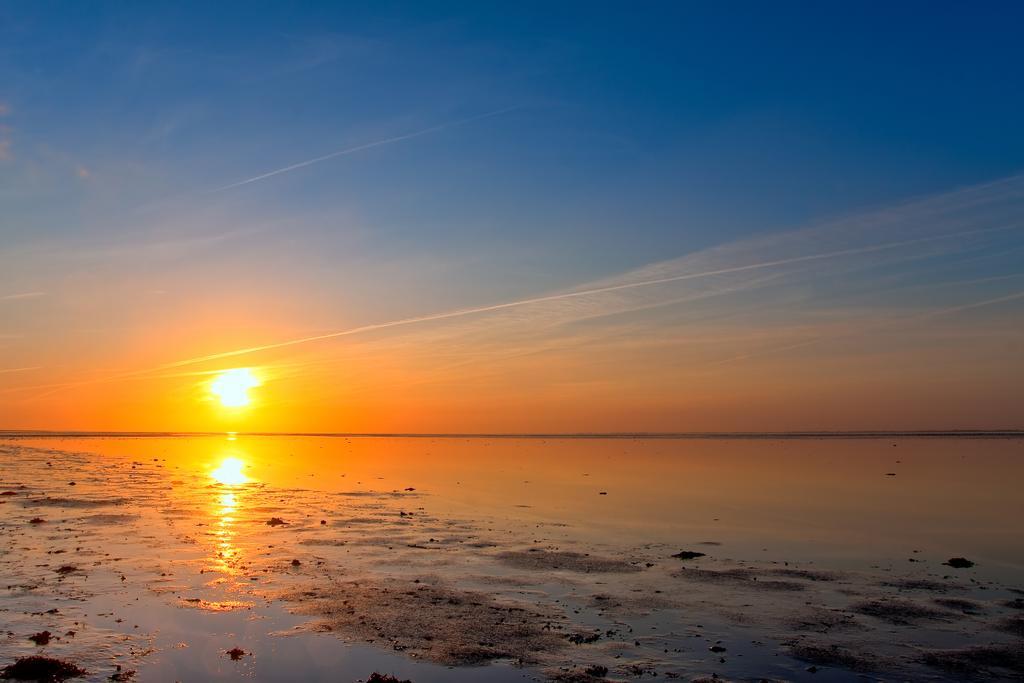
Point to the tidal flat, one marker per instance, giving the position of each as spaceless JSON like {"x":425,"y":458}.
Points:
{"x":281,"y":558}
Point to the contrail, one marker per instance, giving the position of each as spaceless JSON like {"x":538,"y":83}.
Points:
{"x":22,"y":295}
{"x":562,"y":296}
{"x":6,"y":370}
{"x":927,"y":315}
{"x":526,"y":302}
{"x":368,"y":145}
{"x":977,"y":304}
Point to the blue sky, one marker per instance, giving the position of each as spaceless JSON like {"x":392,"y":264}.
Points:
{"x":638,"y":129}
{"x":628,"y":134}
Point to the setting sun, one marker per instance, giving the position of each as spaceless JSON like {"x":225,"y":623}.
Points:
{"x":232,"y":387}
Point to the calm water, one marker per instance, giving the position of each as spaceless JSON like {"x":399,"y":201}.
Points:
{"x":160,"y":557}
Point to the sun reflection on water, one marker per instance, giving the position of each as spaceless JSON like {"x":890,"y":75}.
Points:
{"x":224,"y":533}
{"x":227,"y":508}
{"x":228,"y":503}
{"x":229,"y":473}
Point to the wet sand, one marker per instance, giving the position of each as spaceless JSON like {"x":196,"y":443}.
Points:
{"x":513,"y":559}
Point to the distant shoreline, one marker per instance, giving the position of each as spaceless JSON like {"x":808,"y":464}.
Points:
{"x":912,"y":434}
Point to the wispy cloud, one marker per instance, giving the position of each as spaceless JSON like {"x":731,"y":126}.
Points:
{"x":928,"y":227}
{"x":787,"y":276}
{"x":892,"y":271}
{"x":564,"y":296}
{"x":22,"y":295}
{"x":973,"y":305}
{"x":364,"y":146}
{"x":4,"y":371}
{"x":157,"y":243}
{"x":868,"y":329}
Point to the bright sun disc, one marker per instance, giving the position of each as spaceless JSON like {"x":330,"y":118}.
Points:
{"x":232,"y":387}
{"x":230,"y":472}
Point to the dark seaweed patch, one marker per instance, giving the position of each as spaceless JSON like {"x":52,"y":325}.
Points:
{"x":43,"y":669}
{"x":960,"y":605}
{"x":982,"y":659}
{"x":435,"y":622}
{"x":571,"y":561}
{"x":823,"y":654}
{"x":898,"y":611}
{"x":745,"y":578}
{"x":1013,"y":625}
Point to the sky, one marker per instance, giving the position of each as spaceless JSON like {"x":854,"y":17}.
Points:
{"x":451,"y":217}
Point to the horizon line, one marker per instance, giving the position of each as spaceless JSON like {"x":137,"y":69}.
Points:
{"x":793,"y":434}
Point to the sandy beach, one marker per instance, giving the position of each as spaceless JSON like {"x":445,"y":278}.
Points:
{"x":213,"y":558}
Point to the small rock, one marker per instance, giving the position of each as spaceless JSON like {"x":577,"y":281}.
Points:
{"x":41,"y":638}
{"x":959,"y":563}
{"x":688,"y":555}
{"x":384,"y":678}
{"x":122,"y":674}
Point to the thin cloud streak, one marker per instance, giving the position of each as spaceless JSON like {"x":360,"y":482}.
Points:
{"x":919,"y":317}
{"x":943,"y":214}
{"x":564,"y":296}
{"x":368,"y":145}
{"x":977,"y":304}
{"x":22,"y":295}
{"x":567,"y":295}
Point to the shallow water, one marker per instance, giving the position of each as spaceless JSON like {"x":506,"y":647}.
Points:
{"x":433,"y":558}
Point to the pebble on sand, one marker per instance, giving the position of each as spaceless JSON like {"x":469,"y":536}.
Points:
{"x":688,"y":555}
{"x":959,"y":563}
{"x":385,"y":678}
{"x":41,"y":638}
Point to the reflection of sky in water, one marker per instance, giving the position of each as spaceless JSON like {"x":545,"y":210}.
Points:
{"x":202,"y":562}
